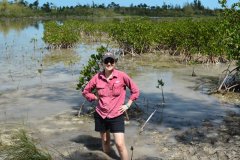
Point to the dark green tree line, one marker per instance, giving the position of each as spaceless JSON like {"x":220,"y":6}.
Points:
{"x":189,"y":9}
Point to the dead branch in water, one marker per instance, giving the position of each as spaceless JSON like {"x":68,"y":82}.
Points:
{"x":231,"y":80}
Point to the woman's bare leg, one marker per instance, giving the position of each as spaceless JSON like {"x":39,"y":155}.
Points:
{"x":105,"y":136}
{"x":121,"y":146}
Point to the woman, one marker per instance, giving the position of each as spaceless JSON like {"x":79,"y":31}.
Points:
{"x":110,"y":85}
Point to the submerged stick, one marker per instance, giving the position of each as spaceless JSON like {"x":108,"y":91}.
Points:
{"x":80,"y":109}
{"x":147,"y":120}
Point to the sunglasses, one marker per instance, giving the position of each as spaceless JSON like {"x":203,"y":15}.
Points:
{"x":109,"y":60}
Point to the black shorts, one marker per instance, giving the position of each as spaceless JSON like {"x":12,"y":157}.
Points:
{"x":114,"y":125}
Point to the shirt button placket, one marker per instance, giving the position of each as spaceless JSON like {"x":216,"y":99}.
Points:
{"x":108,"y":89}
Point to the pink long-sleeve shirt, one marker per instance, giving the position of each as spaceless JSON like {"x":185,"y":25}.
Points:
{"x":111,"y":92}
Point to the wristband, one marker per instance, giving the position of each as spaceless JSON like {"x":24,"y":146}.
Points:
{"x":128,"y":106}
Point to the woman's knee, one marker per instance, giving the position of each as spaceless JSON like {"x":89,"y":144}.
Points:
{"x":105,"y":138}
{"x":120,"y":145}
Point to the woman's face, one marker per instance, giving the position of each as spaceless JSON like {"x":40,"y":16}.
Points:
{"x":109,"y":64}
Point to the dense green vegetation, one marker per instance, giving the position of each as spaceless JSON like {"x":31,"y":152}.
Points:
{"x":22,"y":8}
{"x":60,"y":35}
{"x":195,"y":39}
{"x":231,"y":30}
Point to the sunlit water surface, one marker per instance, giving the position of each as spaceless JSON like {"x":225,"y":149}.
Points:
{"x":34,"y":84}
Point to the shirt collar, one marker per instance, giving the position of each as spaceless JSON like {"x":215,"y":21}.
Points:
{"x":114,"y":74}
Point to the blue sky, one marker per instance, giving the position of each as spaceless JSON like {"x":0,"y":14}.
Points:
{"x":207,"y":3}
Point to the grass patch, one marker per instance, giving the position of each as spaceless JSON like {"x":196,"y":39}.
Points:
{"x":67,"y":57}
{"x":22,"y":147}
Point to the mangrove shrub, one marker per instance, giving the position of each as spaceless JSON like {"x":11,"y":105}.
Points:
{"x":60,"y":35}
{"x":91,"y":68}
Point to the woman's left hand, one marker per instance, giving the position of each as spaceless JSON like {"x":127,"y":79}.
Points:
{"x":123,"y":108}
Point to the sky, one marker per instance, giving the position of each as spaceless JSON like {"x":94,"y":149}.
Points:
{"x":212,"y":4}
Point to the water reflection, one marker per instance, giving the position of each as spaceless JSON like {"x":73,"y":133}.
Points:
{"x":6,"y":26}
{"x":25,"y":61}
{"x":66,"y":56}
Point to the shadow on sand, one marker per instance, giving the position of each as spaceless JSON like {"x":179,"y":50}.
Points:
{"x":94,"y":146}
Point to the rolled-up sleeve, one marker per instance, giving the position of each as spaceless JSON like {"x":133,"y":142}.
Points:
{"x":132,"y":86}
{"x":87,"y":92}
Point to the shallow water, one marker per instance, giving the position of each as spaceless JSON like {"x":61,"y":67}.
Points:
{"x":36,"y":85}
{"x":30,"y":74}
{"x":25,"y":63}
{"x":183,"y":106}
